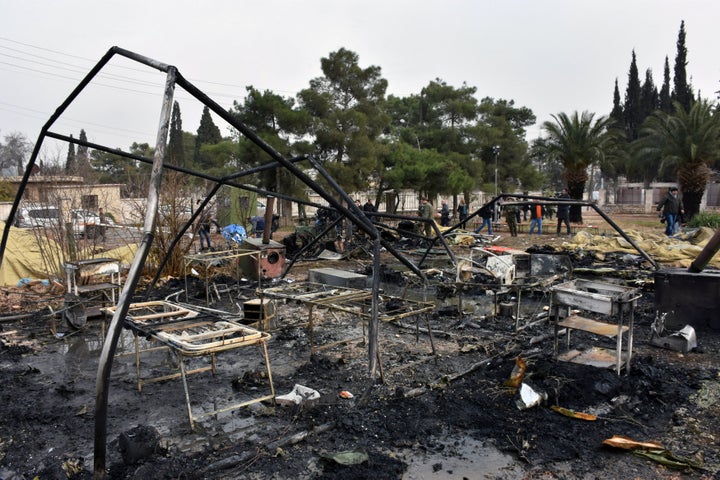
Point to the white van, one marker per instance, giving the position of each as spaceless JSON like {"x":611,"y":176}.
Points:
{"x":31,"y":216}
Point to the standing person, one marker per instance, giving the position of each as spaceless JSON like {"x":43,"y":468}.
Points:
{"x":258,"y":225}
{"x":204,"y":225}
{"x":525,"y":211}
{"x":369,"y":208}
{"x":486,"y":213}
{"x":462,"y":211}
{"x":444,"y":213}
{"x":537,"y":212}
{"x":511,"y":217}
{"x":103,"y":222}
{"x":426,"y":211}
{"x":672,"y":208}
{"x":563,"y":212}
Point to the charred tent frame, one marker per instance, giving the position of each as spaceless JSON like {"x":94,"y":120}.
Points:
{"x":554,"y":201}
{"x":336,"y":197}
{"x":345,"y":206}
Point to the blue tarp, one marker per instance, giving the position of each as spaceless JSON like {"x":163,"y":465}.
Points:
{"x":234,"y":233}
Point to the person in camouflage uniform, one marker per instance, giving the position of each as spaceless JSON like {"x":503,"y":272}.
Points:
{"x":511,"y":212}
{"x":426,"y":211}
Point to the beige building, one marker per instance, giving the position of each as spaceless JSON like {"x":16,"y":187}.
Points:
{"x":70,"y":193}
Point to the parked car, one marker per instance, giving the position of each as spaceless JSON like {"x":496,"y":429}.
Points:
{"x":44,"y":216}
{"x":88,"y":223}
{"x":84,"y":222}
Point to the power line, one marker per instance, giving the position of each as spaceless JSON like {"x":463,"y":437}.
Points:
{"x":21,"y":61}
{"x":111,"y":77}
{"x":93,"y":61}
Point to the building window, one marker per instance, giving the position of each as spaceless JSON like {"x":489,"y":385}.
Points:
{"x":89,"y":202}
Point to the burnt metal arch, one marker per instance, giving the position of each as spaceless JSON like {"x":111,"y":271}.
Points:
{"x":554,"y":201}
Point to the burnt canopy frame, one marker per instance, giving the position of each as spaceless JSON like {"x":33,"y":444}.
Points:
{"x":554,"y":201}
{"x":174,"y":78}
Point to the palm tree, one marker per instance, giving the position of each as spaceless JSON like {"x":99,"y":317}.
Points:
{"x":577,"y":142}
{"x":686,"y":142}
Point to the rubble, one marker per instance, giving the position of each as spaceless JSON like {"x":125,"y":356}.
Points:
{"x":425,"y":406}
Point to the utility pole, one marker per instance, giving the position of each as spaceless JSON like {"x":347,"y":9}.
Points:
{"x":496,"y":152}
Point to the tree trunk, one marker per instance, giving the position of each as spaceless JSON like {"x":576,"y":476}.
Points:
{"x":691,"y":204}
{"x":576,"y":191}
{"x":693,"y":178}
{"x":576,"y":177}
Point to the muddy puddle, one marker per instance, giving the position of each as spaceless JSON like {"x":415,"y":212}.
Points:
{"x":464,"y":458}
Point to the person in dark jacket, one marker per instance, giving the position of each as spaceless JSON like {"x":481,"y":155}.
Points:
{"x":462,"y":211}
{"x":486,"y":213}
{"x":369,"y":208}
{"x":444,"y":213}
{"x":563,"y":212}
{"x":672,"y":208}
{"x":205,"y":223}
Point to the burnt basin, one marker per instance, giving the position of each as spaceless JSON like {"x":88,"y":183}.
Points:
{"x":688,"y":298}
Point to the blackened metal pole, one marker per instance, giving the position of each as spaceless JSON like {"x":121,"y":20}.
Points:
{"x":116,"y":325}
{"x":373,"y":328}
{"x":707,"y":253}
{"x":267,"y":230}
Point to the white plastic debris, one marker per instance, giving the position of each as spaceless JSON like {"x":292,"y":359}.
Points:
{"x":528,"y":397}
{"x":298,"y":395}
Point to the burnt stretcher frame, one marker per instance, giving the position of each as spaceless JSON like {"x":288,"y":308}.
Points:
{"x":170,"y":325}
{"x":173,"y":77}
{"x":346,"y":300}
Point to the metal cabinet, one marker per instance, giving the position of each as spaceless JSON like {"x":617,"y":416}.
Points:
{"x":91,"y":285}
{"x":617,"y":304}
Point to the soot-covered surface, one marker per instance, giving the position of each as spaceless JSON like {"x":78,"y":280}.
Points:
{"x":448,"y":415}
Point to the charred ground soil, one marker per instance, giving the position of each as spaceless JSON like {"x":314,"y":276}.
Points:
{"x":447,"y":414}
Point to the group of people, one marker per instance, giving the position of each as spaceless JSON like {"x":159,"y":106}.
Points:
{"x":670,"y":207}
{"x":537,"y":213}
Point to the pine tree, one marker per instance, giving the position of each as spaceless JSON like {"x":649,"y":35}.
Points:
{"x":632,"y":109}
{"x":70,"y":161}
{"x":207,"y":134}
{"x":682,"y":91}
{"x":665,"y":103}
{"x":175,"y":151}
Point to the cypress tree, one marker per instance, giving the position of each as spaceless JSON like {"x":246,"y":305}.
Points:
{"x":82,"y":150}
{"x":682,"y":91}
{"x":175,"y":151}
{"x":207,"y":133}
{"x":665,"y":103}
{"x":632,"y":109}
{"x":617,"y":112}
{"x":82,"y":159}
{"x":70,"y":161}
{"x":648,"y":96}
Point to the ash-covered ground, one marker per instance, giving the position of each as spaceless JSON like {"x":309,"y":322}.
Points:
{"x":447,"y":414}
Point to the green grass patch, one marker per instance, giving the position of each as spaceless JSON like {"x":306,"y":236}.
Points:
{"x":705,"y":219}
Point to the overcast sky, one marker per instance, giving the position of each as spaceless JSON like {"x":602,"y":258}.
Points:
{"x":550,"y":56}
